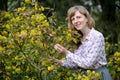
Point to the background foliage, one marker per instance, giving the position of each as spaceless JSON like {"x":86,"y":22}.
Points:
{"x":28,"y":32}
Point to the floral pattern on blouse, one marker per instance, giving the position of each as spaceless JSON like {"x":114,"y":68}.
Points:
{"x":90,"y":54}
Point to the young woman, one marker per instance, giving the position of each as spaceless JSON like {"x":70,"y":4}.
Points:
{"x":91,"y":52}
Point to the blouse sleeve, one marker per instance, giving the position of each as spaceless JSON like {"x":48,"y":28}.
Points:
{"x":68,"y":64}
{"x":88,"y":61}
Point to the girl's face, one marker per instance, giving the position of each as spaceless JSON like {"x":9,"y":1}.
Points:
{"x":79,"y":21}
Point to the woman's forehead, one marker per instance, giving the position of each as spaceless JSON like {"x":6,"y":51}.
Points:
{"x":75,"y":12}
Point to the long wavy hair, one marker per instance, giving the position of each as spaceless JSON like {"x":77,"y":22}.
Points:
{"x":82,"y":10}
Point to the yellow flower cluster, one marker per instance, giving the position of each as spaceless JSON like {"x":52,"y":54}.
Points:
{"x":51,"y":67}
{"x":117,"y":60}
{"x":23,"y":34}
{"x":68,"y":35}
{"x":27,"y":1}
{"x":45,"y":23}
{"x":7,"y":14}
{"x":3,"y":38}
{"x":41,"y":8}
{"x":18,"y":70}
{"x":22,"y":9}
{"x":19,"y":58}
{"x":33,"y":32}
{"x":42,"y":45}
{"x":2,"y":48}
{"x":38,"y":17}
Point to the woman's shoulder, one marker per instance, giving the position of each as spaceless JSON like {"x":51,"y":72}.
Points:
{"x":97,"y":34}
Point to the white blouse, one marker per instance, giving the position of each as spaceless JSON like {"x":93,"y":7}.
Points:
{"x":90,"y":54}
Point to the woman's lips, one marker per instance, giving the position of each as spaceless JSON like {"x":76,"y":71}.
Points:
{"x":77,"y":25}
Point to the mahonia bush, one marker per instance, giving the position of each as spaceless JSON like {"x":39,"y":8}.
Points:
{"x":113,"y":59}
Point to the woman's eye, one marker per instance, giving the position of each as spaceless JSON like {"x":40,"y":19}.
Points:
{"x":72,"y":19}
{"x":78,"y":16}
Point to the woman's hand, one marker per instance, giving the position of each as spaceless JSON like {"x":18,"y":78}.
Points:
{"x":56,"y":60}
{"x":60,"y":49}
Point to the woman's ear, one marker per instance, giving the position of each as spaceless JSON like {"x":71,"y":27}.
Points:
{"x":87,"y":20}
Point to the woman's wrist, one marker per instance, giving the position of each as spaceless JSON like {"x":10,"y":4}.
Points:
{"x":66,"y":51}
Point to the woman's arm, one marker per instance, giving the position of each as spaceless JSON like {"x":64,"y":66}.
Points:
{"x":92,"y":53}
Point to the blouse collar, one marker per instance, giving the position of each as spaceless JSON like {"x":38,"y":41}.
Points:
{"x":90,"y":34}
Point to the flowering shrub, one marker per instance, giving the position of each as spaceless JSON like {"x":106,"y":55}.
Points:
{"x":27,"y":38}
{"x":114,"y":59}
{"x":114,"y":65}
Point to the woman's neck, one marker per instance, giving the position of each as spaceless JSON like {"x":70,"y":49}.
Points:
{"x":85,"y":32}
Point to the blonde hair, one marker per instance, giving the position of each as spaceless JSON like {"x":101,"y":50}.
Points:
{"x":82,"y":10}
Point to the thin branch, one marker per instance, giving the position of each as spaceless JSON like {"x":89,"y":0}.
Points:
{"x":35,"y":65}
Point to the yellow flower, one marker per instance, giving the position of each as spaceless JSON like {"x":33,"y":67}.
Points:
{"x":88,"y":71}
{"x":36,"y":53}
{"x":1,"y":48}
{"x":40,"y":17}
{"x":27,"y":77}
{"x":7,"y":14}
{"x":7,"y":78}
{"x":117,"y":54}
{"x":106,"y":38}
{"x":7,"y":26}
{"x":42,"y":45}
{"x":45,"y":23}
{"x":87,"y":78}
{"x":28,"y":1}
{"x":59,"y":39}
{"x":118,"y":69}
{"x":33,"y":23}
{"x":14,"y":67}
{"x":36,"y":6}
{"x":7,"y":67}
{"x":71,"y":78}
{"x":53,"y":32}
{"x":41,"y":8}
{"x":97,"y":75}
{"x":21,"y":9}
{"x":3,"y":38}
{"x":23,"y":34}
{"x":79,"y":77}
{"x":33,"y":32}
{"x":50,"y":67}
{"x":4,"y":32}
{"x":13,"y":20}
{"x":69,"y":35}
{"x":110,"y":62}
{"x":17,"y":70}
{"x":18,"y":19}
{"x":63,"y":58}
{"x":17,"y":58}
{"x":93,"y":72}
{"x":39,"y":33}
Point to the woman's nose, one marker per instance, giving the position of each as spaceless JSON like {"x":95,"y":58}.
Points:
{"x":76,"y":21}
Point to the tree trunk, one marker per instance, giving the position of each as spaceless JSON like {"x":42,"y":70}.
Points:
{"x":109,"y":17}
{"x":3,"y":5}
{"x":108,"y":7}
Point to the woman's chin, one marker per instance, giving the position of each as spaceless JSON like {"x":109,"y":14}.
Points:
{"x":78,"y":28}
